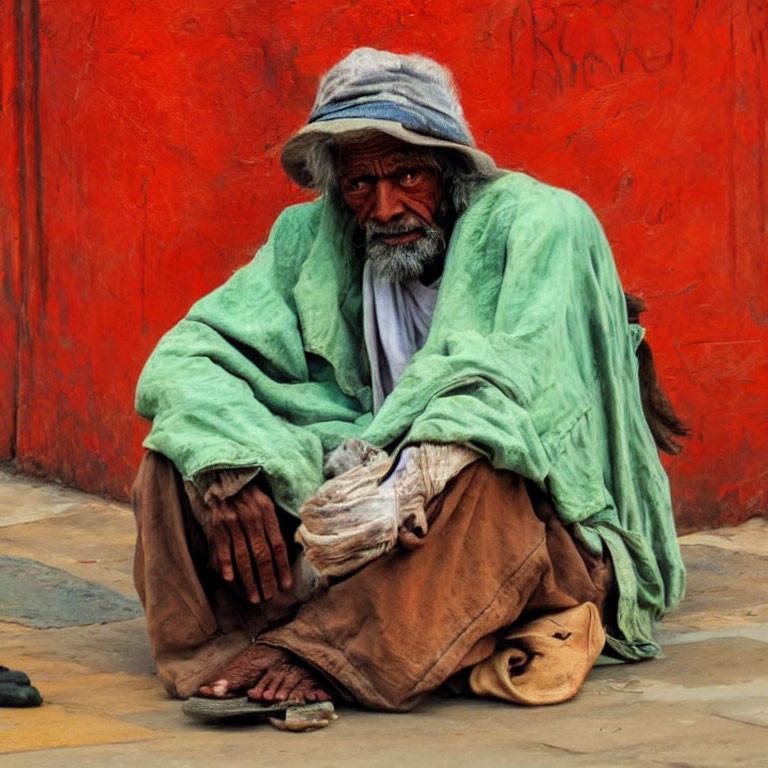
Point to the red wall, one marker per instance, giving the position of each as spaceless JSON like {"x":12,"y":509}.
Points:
{"x":140,"y":146}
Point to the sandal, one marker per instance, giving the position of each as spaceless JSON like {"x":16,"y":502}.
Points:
{"x":285,"y":715}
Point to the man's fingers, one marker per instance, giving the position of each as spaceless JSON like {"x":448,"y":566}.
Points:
{"x":279,"y":550}
{"x":250,"y":517}
{"x":267,"y":544}
{"x":243,"y":560}
{"x":265,"y":566}
{"x":219,"y":544}
{"x":222,"y":554}
{"x":244,"y":536}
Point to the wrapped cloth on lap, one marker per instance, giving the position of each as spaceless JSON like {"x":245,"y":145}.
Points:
{"x":358,"y":515}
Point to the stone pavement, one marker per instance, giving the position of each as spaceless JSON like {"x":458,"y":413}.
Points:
{"x":704,"y":704}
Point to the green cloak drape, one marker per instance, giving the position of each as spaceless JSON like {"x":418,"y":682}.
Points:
{"x":530,"y":360}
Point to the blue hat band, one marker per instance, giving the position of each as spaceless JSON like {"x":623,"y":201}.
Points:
{"x":426,"y":121}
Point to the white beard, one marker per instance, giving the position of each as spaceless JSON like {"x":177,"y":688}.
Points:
{"x":402,"y":262}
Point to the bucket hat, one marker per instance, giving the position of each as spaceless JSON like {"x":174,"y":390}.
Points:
{"x":409,"y":97}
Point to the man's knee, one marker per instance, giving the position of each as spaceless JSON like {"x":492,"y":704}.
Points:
{"x":156,"y":476}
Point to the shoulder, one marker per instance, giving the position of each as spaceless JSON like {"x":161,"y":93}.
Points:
{"x":297,"y":221}
{"x":289,"y":243}
{"x":516,"y":199}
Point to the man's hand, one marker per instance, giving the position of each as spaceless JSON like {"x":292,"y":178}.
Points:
{"x":243,"y":534}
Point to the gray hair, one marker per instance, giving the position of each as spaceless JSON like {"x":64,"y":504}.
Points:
{"x":460,"y":178}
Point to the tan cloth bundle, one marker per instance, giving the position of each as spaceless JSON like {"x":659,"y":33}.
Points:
{"x":545,"y":661}
{"x":426,"y":474}
{"x":355,"y":517}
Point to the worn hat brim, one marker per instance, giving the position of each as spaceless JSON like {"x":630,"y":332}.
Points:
{"x":296,"y":149}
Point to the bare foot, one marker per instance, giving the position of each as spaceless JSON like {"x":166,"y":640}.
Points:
{"x":268,"y":675}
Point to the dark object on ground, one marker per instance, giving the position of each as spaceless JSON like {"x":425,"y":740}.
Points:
{"x":16,"y":690}
{"x":285,"y":715}
{"x":659,"y":413}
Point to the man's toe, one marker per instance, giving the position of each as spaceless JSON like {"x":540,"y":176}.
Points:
{"x":289,"y":685}
{"x":257,"y":692}
{"x":277,"y":679}
{"x":217,"y":689}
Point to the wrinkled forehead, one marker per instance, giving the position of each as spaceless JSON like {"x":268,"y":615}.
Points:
{"x":375,"y":147}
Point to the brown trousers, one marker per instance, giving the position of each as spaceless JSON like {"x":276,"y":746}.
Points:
{"x":395,"y":630}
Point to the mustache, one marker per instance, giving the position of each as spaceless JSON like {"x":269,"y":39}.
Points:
{"x":375,"y":230}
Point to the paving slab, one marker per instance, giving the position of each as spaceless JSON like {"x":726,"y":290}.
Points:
{"x":24,"y":499}
{"x":704,"y":704}
{"x":38,"y":595}
{"x":92,"y":540}
{"x":750,"y":537}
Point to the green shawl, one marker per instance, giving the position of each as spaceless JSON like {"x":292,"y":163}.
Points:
{"x":530,"y":361}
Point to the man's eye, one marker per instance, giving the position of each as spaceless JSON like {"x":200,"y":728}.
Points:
{"x":409,"y":178}
{"x":357,"y":185}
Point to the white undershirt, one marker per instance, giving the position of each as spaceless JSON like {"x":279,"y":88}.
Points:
{"x":396,"y":321}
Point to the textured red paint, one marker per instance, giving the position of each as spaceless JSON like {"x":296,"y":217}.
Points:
{"x":160,"y":125}
{"x":10,"y":245}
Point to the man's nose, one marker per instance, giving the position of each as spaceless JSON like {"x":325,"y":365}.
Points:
{"x":387,"y":203}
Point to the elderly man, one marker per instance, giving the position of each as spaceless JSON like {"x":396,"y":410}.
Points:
{"x":404,"y":447}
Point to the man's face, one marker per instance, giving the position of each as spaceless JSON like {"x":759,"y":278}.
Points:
{"x":395,"y":191}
